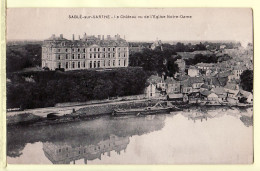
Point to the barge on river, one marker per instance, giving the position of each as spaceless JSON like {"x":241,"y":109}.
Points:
{"x":157,"y":109}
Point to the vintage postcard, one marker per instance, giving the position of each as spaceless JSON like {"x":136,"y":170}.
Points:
{"x":129,"y":86}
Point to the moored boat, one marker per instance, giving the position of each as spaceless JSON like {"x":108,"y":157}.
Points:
{"x":142,"y":111}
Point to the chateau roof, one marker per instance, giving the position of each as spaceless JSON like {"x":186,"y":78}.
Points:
{"x":85,"y":41}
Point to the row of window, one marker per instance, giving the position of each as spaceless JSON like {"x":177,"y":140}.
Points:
{"x":90,"y":49}
{"x":94,"y":55}
{"x":92,"y":64}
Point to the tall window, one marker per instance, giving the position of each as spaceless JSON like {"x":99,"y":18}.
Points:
{"x":90,"y":64}
{"x":78,"y":64}
{"x":58,"y":57}
{"x":84,"y":64}
{"x":78,"y":56}
{"x":84,"y":50}
{"x":66,"y":50}
{"x":73,"y":50}
{"x":104,"y":49}
{"x":73,"y":55}
{"x":124,"y":62}
{"x":109,"y":63}
{"x":94,"y":55}
{"x":98,"y":55}
{"x":95,"y":64}
{"x":59,"y":65}
{"x":78,"y":49}
{"x":73,"y":64}
{"x":113,"y":62}
{"x":118,"y":62}
{"x":67,"y":65}
{"x":84,"y":55}
{"x":98,"y":64}
{"x":67,"y":56}
{"x":90,"y":55}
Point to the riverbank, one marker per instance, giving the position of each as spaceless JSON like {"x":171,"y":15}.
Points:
{"x":55,"y":115}
{"x":73,"y":113}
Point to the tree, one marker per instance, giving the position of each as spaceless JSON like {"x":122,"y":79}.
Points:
{"x":246,"y":80}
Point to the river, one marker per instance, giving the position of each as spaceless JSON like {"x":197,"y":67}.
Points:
{"x":193,"y":136}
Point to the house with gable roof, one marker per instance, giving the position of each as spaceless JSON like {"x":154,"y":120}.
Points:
{"x":173,"y":86}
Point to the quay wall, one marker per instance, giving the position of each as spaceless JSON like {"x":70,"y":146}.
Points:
{"x":88,"y":110}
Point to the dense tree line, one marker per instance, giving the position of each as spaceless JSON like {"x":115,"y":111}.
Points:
{"x":51,"y":87}
{"x":162,"y":58}
{"x":155,"y":60}
{"x":200,"y":58}
{"x":22,"y":56}
{"x":246,"y":80}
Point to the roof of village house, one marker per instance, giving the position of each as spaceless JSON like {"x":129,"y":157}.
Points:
{"x":244,"y":93}
{"x":179,"y":61}
{"x":175,"y":96}
{"x":206,"y":86}
{"x":206,"y":92}
{"x":218,"y":90}
{"x":193,"y":67}
{"x":154,"y":79}
{"x":224,"y":74}
{"x":183,"y":77}
{"x":216,"y":81}
{"x":239,"y":67}
{"x":231,"y":86}
{"x":170,"y":80}
{"x":212,"y":95}
{"x":205,"y":64}
{"x":192,"y":80}
{"x":222,"y":80}
{"x":196,"y":80}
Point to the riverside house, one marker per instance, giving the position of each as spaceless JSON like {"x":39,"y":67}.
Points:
{"x":173,"y":86}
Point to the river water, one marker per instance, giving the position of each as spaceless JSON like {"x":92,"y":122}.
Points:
{"x":194,"y":136}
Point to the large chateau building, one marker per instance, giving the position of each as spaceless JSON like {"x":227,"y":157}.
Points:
{"x":85,"y":53}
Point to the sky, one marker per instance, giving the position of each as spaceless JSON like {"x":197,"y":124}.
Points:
{"x":205,"y":23}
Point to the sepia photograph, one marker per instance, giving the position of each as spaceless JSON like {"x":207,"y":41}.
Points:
{"x":119,"y":86}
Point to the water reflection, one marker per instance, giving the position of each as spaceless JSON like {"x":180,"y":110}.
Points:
{"x":83,"y":133}
{"x":90,"y":140}
{"x":59,"y":153}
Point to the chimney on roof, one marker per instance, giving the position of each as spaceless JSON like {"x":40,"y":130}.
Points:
{"x":79,"y":37}
{"x":102,"y":37}
{"x":85,"y":36}
{"x":99,"y":37}
{"x":61,"y":36}
{"x":108,"y":36}
{"x":73,"y":37}
{"x":53,"y":36}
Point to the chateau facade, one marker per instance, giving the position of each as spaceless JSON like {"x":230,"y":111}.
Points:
{"x":88,"y":52}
